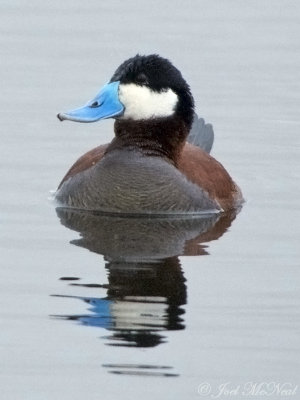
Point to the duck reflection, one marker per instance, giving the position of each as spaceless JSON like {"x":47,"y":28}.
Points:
{"x":146,"y":288}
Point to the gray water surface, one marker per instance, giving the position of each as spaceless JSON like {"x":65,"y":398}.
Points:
{"x":149,"y":309}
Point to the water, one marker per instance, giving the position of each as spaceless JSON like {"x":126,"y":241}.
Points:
{"x":149,"y":314}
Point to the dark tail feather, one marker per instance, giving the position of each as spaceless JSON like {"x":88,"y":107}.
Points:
{"x":201,"y":134}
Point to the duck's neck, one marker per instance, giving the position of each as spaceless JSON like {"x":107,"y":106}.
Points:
{"x":163,"y":137}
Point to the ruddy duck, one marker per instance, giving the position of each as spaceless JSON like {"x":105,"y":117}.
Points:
{"x":149,"y":167}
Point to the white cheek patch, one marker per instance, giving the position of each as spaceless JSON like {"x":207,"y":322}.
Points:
{"x":141,"y":102}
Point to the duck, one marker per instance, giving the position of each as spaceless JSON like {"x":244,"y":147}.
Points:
{"x":149,"y":167}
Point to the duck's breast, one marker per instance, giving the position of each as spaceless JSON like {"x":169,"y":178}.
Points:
{"x":127,"y":181}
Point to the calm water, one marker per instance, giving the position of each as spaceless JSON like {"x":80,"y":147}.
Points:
{"x":113,"y":308}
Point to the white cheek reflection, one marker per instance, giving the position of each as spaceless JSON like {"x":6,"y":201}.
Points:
{"x":140,"y":102}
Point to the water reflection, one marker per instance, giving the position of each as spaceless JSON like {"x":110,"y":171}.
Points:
{"x":146,"y":289}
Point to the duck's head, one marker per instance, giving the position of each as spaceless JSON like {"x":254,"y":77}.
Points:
{"x":142,"y":88}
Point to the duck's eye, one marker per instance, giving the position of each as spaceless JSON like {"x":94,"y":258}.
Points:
{"x":142,"y":79}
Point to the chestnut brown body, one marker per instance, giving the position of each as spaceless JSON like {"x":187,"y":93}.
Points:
{"x":197,"y":166}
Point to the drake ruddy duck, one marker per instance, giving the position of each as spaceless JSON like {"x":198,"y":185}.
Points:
{"x":148,"y":168}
